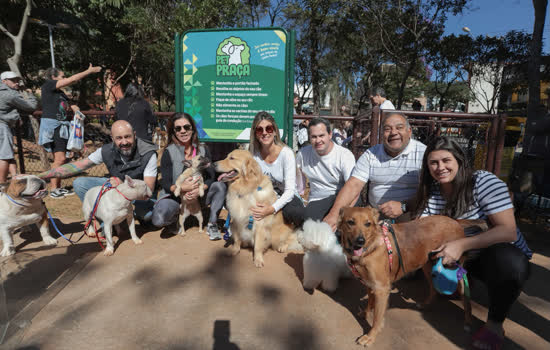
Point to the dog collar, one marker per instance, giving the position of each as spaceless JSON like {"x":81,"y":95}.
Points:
{"x":13,"y":200}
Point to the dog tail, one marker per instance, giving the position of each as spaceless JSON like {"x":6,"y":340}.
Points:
{"x":315,"y":235}
{"x":474,"y":225}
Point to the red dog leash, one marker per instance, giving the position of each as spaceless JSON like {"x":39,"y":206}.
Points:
{"x":104,"y":189}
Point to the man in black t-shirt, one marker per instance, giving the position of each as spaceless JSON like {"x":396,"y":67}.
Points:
{"x":137,"y":111}
{"x":54,"y":126}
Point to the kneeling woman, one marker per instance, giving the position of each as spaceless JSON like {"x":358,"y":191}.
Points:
{"x":449,"y":186}
{"x":278,"y":162}
{"x":183,"y":144}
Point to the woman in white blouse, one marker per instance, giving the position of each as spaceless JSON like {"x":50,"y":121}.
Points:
{"x":278,"y":162}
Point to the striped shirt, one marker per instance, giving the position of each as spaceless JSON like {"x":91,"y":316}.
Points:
{"x":391,"y":179}
{"x":490,"y":197}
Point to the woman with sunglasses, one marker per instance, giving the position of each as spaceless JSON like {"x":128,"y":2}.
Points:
{"x":278,"y":162}
{"x":183,"y":144}
{"x":449,"y":186}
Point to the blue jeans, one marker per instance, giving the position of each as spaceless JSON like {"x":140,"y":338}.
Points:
{"x":143,"y":209}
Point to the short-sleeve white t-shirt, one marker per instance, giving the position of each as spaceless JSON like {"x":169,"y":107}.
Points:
{"x":327,"y":174}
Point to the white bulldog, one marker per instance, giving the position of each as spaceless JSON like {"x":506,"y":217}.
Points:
{"x":20,"y":205}
{"x":114,"y":207}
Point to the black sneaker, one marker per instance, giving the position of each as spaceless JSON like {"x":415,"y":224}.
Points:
{"x":66,"y":192}
{"x":57,"y":193}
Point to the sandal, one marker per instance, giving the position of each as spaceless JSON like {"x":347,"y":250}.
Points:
{"x":485,"y":339}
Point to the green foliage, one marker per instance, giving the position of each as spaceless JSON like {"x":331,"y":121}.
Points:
{"x":344,"y":47}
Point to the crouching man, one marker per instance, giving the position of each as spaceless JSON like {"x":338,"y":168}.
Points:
{"x":126,"y":155}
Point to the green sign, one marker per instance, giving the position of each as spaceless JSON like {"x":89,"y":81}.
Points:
{"x":224,"y":77}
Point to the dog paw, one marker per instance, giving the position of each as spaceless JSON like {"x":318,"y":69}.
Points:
{"x":282,"y":248}
{"x":7,"y":251}
{"x":138,"y":241}
{"x":365,"y":340}
{"x":259,"y":262}
{"x":234,"y":250}
{"x":108,"y":251}
{"x":49,"y":241}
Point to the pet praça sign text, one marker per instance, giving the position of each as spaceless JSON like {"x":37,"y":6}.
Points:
{"x":224,"y":77}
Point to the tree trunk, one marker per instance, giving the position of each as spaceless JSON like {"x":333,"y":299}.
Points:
{"x":315,"y":74}
{"x":534,"y":60}
{"x":401,"y":94}
{"x":13,"y":61}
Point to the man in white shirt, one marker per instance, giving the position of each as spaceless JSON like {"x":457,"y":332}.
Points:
{"x":391,"y":168}
{"x":378,"y":97}
{"x":326,"y":165}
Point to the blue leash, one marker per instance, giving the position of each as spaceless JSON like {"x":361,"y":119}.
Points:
{"x":51,"y":220}
{"x":59,"y":232}
{"x":227,"y":233}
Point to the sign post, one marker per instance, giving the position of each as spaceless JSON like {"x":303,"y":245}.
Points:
{"x":225,"y":77}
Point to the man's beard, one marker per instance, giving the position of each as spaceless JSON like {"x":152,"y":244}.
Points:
{"x":126,"y":152}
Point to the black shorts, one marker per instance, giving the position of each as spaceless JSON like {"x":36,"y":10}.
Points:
{"x":58,"y":144}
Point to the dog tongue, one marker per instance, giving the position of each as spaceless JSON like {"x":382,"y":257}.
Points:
{"x":358,"y":252}
{"x":225,"y":175}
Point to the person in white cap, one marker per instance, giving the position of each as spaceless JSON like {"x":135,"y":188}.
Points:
{"x":11,"y":102}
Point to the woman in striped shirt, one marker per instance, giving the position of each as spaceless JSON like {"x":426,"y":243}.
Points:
{"x":500,"y":256}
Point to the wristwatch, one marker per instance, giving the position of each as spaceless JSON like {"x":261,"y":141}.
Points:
{"x":404,"y":207}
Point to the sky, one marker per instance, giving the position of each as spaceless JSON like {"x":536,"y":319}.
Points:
{"x":496,"y":17}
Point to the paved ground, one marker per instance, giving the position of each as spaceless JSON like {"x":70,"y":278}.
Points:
{"x":184,"y":293}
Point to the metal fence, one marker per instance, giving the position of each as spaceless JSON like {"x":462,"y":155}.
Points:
{"x":481,"y":135}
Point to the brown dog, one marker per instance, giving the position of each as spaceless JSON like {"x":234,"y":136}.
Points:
{"x":363,"y":243}
{"x":247,"y":186}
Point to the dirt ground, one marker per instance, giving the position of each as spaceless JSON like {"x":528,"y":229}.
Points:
{"x":184,"y":293}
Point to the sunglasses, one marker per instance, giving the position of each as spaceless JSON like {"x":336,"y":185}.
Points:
{"x":268,"y":129}
{"x":186,"y":127}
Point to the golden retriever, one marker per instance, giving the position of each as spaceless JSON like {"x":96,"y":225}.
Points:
{"x":362,"y":242}
{"x":247,"y":186}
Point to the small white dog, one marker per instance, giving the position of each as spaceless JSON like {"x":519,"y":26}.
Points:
{"x":114,"y":207}
{"x":324,"y":260}
{"x":20,"y":205}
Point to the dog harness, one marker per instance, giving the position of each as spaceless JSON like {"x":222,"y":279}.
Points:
{"x":355,"y":272}
{"x":107,"y":186}
{"x":386,"y":226}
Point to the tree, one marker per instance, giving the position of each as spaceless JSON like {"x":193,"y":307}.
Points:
{"x":313,"y":21}
{"x":13,"y":61}
{"x":485,"y":71}
{"x":449,"y":59}
{"x":407,"y":29}
{"x":534,"y":58}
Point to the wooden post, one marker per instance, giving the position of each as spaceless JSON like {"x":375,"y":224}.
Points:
{"x":491,"y":144}
{"x":20,"y":150}
{"x":375,"y":126}
{"x":499,"y":145}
